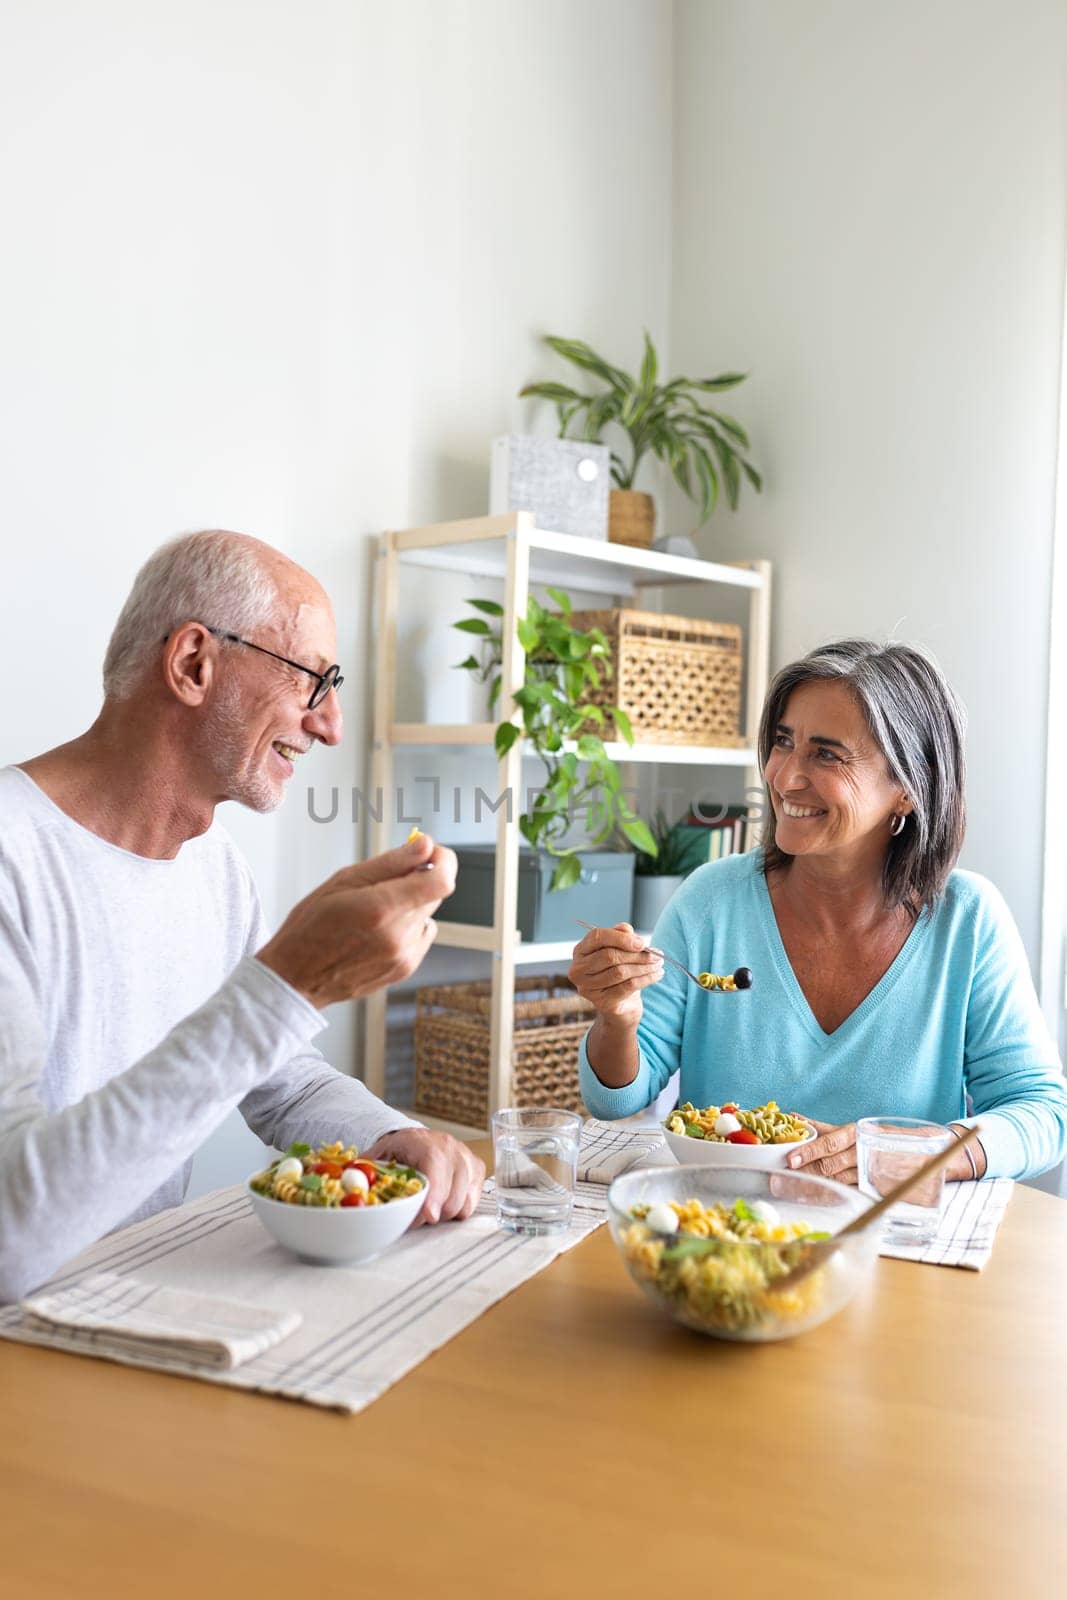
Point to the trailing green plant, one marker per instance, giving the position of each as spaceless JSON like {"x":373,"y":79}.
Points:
{"x":703,"y":448}
{"x":673,"y":853}
{"x":563,"y":665}
{"x":486,"y":667}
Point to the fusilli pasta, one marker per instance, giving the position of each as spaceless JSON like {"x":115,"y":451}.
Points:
{"x":764,"y":1125}
{"x":711,"y":1271}
{"x":334,"y":1175}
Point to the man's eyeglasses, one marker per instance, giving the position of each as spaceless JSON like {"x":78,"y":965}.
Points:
{"x":324,"y":681}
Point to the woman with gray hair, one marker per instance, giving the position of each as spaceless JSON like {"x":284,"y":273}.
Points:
{"x":887,"y":980}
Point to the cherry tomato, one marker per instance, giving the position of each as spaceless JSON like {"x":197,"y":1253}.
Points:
{"x":742,"y":1136}
{"x":729,"y":1108}
{"x":368,"y":1169}
{"x":328,"y":1169}
{"x":355,"y":1199}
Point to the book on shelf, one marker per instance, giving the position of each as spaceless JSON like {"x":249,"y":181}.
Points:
{"x":727,"y":831}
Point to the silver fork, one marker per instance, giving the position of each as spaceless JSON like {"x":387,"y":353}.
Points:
{"x":652,"y":951}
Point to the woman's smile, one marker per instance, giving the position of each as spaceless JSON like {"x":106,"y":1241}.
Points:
{"x":798,"y":813}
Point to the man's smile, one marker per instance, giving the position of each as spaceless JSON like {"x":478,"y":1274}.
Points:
{"x":288,"y":752}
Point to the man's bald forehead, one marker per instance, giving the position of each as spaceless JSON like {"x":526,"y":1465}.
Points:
{"x":285,"y":572}
{"x":295,"y":585}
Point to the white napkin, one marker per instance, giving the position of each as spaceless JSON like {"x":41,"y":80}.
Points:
{"x":123,"y":1316}
{"x":968,"y":1227}
{"x":611,"y":1148}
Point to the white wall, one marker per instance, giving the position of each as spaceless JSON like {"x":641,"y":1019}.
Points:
{"x":283,"y":268}
{"x":869,"y":216}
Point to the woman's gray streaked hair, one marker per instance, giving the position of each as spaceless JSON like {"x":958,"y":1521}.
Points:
{"x":212,"y":577}
{"x":918,"y":723}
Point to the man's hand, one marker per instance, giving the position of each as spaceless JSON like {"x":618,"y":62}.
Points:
{"x":455,"y":1173}
{"x":365,"y":927}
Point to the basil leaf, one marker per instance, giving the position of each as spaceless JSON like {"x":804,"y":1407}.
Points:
{"x":690,"y":1247}
{"x":311,"y":1180}
{"x":743,"y":1210}
{"x":693,"y":1131}
{"x":299,"y":1150}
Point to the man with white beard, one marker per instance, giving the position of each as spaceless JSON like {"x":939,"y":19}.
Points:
{"x":140,"y":997}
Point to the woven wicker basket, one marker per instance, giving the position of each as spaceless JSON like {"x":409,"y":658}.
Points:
{"x":452,"y":1048}
{"x":678,"y":679}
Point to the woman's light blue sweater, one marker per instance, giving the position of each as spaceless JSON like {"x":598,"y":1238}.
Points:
{"x":956,"y":1016}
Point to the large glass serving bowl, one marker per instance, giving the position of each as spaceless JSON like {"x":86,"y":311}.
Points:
{"x":726,"y":1289}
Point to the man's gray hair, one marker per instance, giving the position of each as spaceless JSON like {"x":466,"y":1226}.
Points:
{"x":918,"y":724}
{"x":213,"y":577}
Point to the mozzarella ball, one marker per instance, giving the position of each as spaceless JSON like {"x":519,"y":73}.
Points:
{"x":766,"y":1213}
{"x":726,"y":1123}
{"x":291,"y":1167}
{"x":353,"y":1181}
{"x":661,"y":1218}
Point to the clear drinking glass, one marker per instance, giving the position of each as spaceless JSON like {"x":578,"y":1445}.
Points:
{"x":535,"y":1152}
{"x":888,"y":1150}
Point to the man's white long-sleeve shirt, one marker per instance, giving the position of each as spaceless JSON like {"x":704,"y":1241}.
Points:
{"x":133,"y":1018}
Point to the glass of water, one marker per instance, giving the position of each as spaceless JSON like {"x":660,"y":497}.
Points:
{"x":535,"y":1154}
{"x":890,"y":1149}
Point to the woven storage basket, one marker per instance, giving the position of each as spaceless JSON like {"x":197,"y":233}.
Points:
{"x":678,"y":679}
{"x":452,"y":1048}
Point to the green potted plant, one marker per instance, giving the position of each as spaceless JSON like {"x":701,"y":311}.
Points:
{"x":659,"y":874}
{"x":703,"y":448}
{"x":563,"y":663}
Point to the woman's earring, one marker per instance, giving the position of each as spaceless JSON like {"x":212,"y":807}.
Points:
{"x":897,"y":825}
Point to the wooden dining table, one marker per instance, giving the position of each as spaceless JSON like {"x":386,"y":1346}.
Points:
{"x":573,"y":1441}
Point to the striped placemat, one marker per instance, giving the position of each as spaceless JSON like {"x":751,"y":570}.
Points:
{"x":363,"y":1327}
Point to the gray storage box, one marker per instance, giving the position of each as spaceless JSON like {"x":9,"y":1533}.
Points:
{"x":602,"y":895}
{"x":564,"y":482}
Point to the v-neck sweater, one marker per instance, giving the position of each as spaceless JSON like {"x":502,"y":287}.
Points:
{"x":952,"y":1031}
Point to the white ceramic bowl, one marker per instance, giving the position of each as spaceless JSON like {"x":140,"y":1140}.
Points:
{"x":337,"y":1236}
{"x":699,"y":1152}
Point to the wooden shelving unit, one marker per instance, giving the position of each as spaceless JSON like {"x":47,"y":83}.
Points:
{"x":511,"y":548}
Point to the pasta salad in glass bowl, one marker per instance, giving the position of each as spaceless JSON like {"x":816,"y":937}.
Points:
{"x":707,"y":1244}
{"x":331,"y":1205}
{"x":762,"y":1137}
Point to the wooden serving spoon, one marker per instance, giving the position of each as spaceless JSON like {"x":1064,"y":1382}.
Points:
{"x":820,"y":1252}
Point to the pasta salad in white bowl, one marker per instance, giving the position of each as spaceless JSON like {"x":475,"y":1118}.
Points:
{"x":333,"y":1206}
{"x":732,"y":1137}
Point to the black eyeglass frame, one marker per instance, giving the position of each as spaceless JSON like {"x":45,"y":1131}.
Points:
{"x":324,"y":681}
{"x":332,"y":678}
